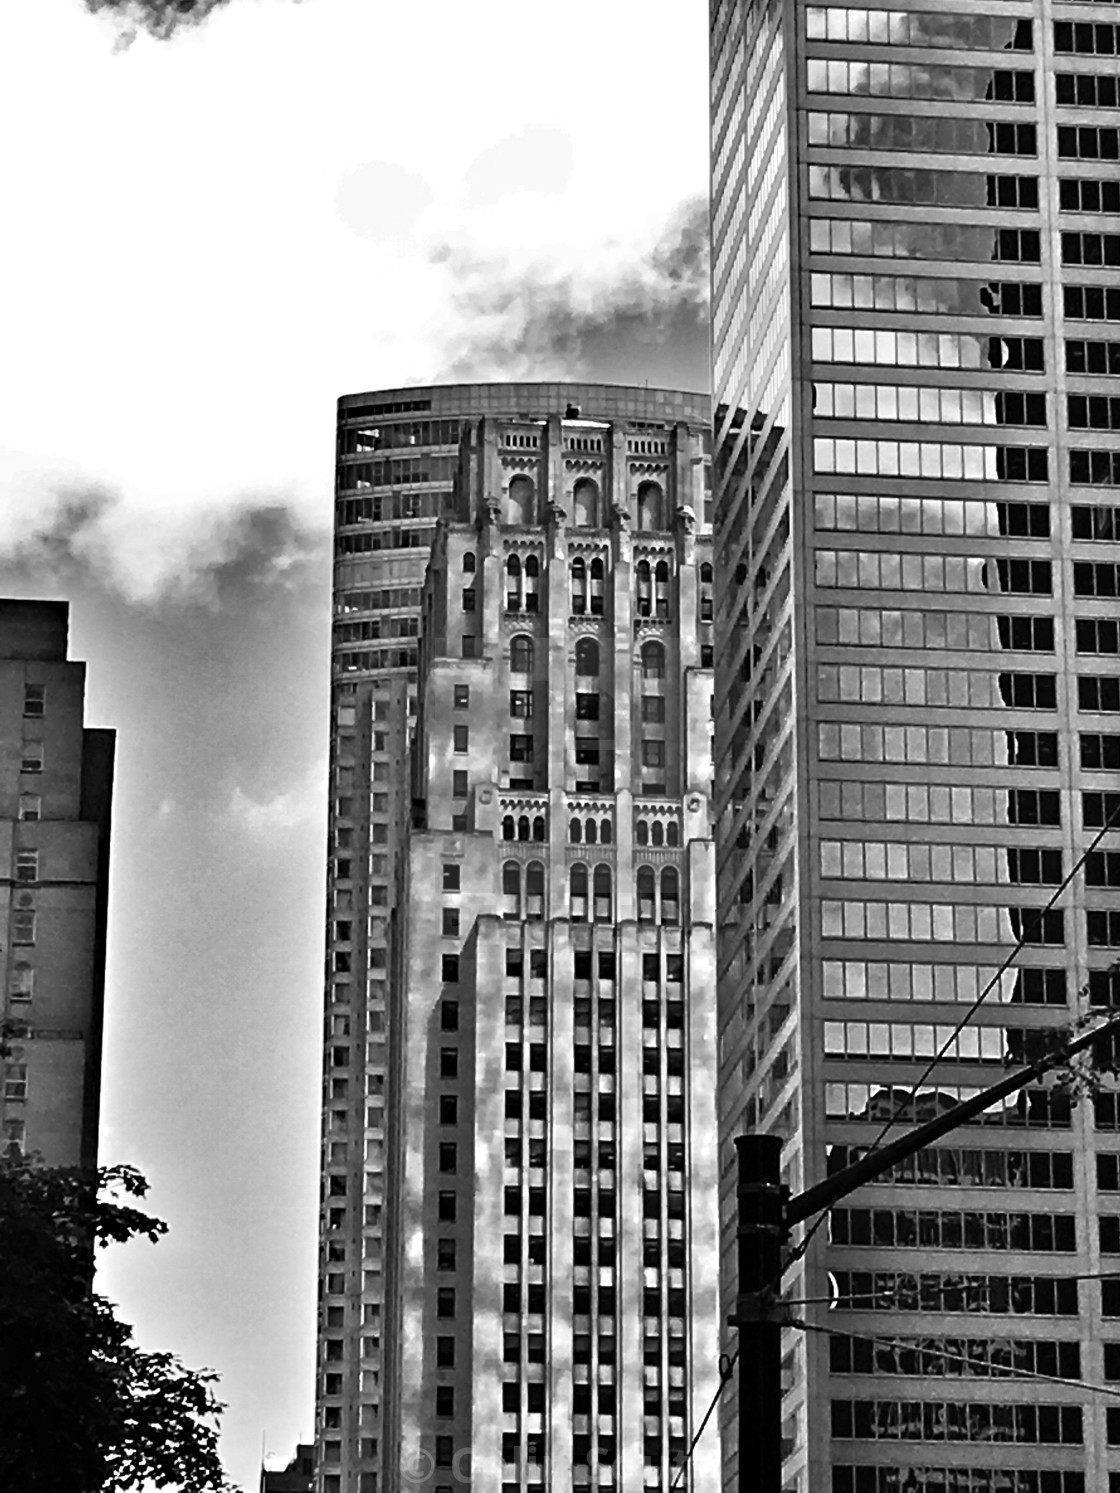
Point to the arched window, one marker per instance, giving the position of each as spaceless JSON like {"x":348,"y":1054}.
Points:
{"x":523,"y":827}
{"x":591,"y":834}
{"x":606,"y":832}
{"x":532,"y":583}
{"x":513,"y":584}
{"x":585,"y":504}
{"x":672,"y":833}
{"x":534,"y":891}
{"x":538,"y":827}
{"x":509,"y":830}
{"x":645,"y":589}
{"x":468,"y":560}
{"x":601,"y":887}
{"x":641,"y":832}
{"x":579,"y":587}
{"x":656,"y":833}
{"x":577,"y":884}
{"x":575,"y":831}
{"x":520,"y":501}
{"x":670,"y":896}
{"x":587,"y":658}
{"x":650,"y":506}
{"x":521,"y":654}
{"x":647,"y":894}
{"x":511,"y":890}
{"x":661,"y":589}
{"x":596,"y":587}
{"x":653,"y":661}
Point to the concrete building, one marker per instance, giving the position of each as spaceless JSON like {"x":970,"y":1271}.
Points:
{"x":56,"y":780}
{"x":917,"y":510}
{"x":536,"y":547}
{"x":297,"y":1477}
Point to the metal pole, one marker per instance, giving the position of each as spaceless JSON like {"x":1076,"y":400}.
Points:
{"x":762,"y":1235}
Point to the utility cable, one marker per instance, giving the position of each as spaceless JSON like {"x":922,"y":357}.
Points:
{"x":1111,"y":821}
{"x":726,"y":1368}
{"x":998,"y":1372}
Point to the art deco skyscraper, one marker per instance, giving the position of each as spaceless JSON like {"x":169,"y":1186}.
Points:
{"x":548,"y":756}
{"x":56,"y":781}
{"x":916,"y":224}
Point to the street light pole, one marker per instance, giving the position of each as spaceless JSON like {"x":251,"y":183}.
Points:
{"x":766,"y":1215}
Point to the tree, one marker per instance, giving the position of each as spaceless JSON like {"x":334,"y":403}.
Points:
{"x":82,"y":1408}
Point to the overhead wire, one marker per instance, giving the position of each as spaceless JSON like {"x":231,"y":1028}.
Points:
{"x":727,"y":1364}
{"x":998,"y":1371}
{"x":1112,"y":820}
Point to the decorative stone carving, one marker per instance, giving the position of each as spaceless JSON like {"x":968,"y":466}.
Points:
{"x":686,"y":517}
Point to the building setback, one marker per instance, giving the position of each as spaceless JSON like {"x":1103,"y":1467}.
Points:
{"x":576,"y":977}
{"x":56,"y":779}
{"x":917,"y":513}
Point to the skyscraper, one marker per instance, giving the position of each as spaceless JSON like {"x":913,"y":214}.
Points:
{"x":917,"y":479}
{"x":561,"y":444}
{"x":56,"y":779}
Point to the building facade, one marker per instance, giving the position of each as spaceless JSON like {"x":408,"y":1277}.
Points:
{"x":56,"y":780}
{"x":377,"y":597}
{"x":917,"y":514}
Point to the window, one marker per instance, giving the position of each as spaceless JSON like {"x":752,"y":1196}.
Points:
{"x":511,"y":890}
{"x":468,"y":562}
{"x":448,"y":1162}
{"x":587,"y":706}
{"x":521,"y":748}
{"x":520,"y":504}
{"x":602,"y":891}
{"x":449,"y":1062}
{"x":1100,"y":750}
{"x":578,"y":599}
{"x":653,"y":754}
{"x":521,"y":654}
{"x":30,"y":807}
{"x":653,"y":661}
{"x":647,"y":894}
{"x":449,"y":1015}
{"x":653,"y":709}
{"x":445,"y":1401}
{"x":468,"y":598}
{"x":578,"y":890}
{"x":1098,"y":635}
{"x":21,"y":981}
{"x":449,"y":969}
{"x":27,"y":865}
{"x":459,"y":784}
{"x":462,"y":696}
{"x":534,"y":891}
{"x":470,"y":645}
{"x":461,"y":738}
{"x":451,"y":876}
{"x":670,"y":896}
{"x":1084,"y":194}
{"x":532,"y":573}
{"x":1098,"y":692}
{"x":587,"y":658}
{"x":445,"y":1352}
{"x":34,"y":700}
{"x":585,"y":504}
{"x":650,"y":506}
{"x":451,"y":922}
{"x":446,"y":1207}
{"x":449,"y":1109}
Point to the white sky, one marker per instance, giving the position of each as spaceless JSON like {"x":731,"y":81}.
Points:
{"x":216,"y":235}
{"x":206,"y":241}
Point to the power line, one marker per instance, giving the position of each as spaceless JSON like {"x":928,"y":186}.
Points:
{"x":998,"y":1372}
{"x":850,"y":1296}
{"x":800,"y":1249}
{"x":726,"y":1367}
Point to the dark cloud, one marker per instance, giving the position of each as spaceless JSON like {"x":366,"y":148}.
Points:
{"x":208,"y":560}
{"x":160,"y":18}
{"x":647,"y":324}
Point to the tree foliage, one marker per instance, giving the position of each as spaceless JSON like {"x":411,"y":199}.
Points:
{"x":82,"y":1407}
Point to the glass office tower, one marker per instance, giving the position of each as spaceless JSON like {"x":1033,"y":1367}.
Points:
{"x":916,"y":339}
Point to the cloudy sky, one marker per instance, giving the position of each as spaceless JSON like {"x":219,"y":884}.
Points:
{"x":217,"y":222}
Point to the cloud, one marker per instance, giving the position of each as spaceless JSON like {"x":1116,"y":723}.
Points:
{"x":633,"y":320}
{"x":538,"y":159}
{"x":295,"y":807}
{"x":186,"y":555}
{"x":159,"y":18}
{"x":382,"y":201}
